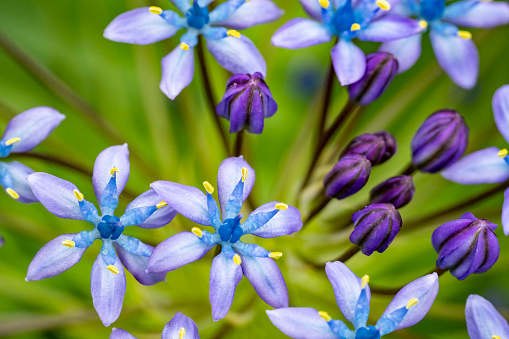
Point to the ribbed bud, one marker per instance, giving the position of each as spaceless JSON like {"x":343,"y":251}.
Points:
{"x":465,"y":246}
{"x":398,"y":191}
{"x":377,"y":148}
{"x":375,"y":227}
{"x":381,"y":68}
{"x":246,"y":103}
{"x":440,"y":141}
{"x":347,"y":177}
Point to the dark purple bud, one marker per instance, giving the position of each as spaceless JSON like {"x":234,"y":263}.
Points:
{"x":398,"y":191}
{"x":440,"y":141}
{"x":347,"y":177}
{"x":2,"y":241}
{"x":465,"y":246}
{"x":381,"y":68}
{"x":377,"y":148}
{"x":375,"y":227}
{"x":246,"y":103}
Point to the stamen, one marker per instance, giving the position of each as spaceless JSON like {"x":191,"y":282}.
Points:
{"x":423,"y":23}
{"x":412,"y":302}
{"x":113,"y":170}
{"x":208,"y":187}
{"x":493,"y":336}
{"x":79,"y":195}
{"x":12,"y":141}
{"x":236,"y":259}
{"x":182,"y":332}
{"x":12,"y":193}
{"x":233,"y":33}
{"x":324,"y":3}
{"x":355,"y":27}
{"x":464,"y":35}
{"x":68,"y":243}
{"x":365,"y":281}
{"x":112,"y":269}
{"x":244,"y":174}
{"x":184,"y":46}
{"x":197,"y":231}
{"x":161,"y":204}
{"x":155,"y":10}
{"x":325,"y":316}
{"x":275,"y":255}
{"x":503,"y":153}
{"x":281,"y":206}
{"x":384,"y":5}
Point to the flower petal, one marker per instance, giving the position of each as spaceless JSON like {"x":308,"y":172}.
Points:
{"x":159,"y":218}
{"x":478,"y":14}
{"x":300,"y":33}
{"x":108,"y":290}
{"x":32,"y":127}
{"x":54,"y":258}
{"x":186,"y":200}
{"x":285,"y":222}
{"x":118,"y":333}
{"x":312,"y":8}
{"x":237,"y":55}
{"x":483,"y":320}
{"x":500,"y":105}
{"x":267,"y":280}
{"x":228,"y":175}
{"x":252,"y":13}
{"x":505,"y":212}
{"x":13,"y":175}
{"x":407,"y":51}
{"x":225,"y":275}
{"x":389,"y":27}
{"x":177,"y":71}
{"x":137,"y":265}
{"x":347,"y":288}
{"x":301,"y":322}
{"x":179,"y":321}
{"x":182,"y":5}
{"x":111,"y":157}
{"x":205,"y":3}
{"x":176,"y":251}
{"x":349,"y":62}
{"x":481,"y":167}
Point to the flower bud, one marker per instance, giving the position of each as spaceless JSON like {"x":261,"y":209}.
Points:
{"x":440,"y":141}
{"x":347,"y":177}
{"x":375,"y":227}
{"x":377,"y":148}
{"x":398,"y":191}
{"x":465,"y":246}
{"x":2,"y":241}
{"x":246,"y":103}
{"x":381,"y":67}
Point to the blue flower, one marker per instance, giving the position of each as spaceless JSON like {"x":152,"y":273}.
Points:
{"x":353,"y":296}
{"x":235,"y":180}
{"x":346,"y":19}
{"x":454,"y":49}
{"x":483,"y":320}
{"x":63,"y":199}
{"x":234,"y":52}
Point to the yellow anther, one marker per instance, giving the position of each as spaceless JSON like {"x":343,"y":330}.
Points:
{"x":503,"y":153}
{"x":324,"y":3}
{"x":12,"y":141}
{"x":236,"y":259}
{"x":233,"y":33}
{"x":281,"y":206}
{"x":325,"y":316}
{"x":78,"y":195}
{"x":464,"y":35}
{"x":244,"y":174}
{"x":113,"y":171}
{"x":12,"y":193}
{"x":197,"y":231}
{"x":493,"y":336}
{"x":161,"y":204}
{"x":411,"y":302}
{"x":182,"y":332}
{"x":423,"y":23}
{"x":384,"y":5}
{"x":184,"y":46}
{"x":275,"y":255}
{"x":365,"y":281}
{"x":68,"y":243}
{"x":355,"y":27}
{"x":208,"y":187}
{"x":155,"y":10}
{"x":112,"y":269}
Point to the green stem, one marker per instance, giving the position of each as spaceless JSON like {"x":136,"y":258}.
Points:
{"x":239,"y":141}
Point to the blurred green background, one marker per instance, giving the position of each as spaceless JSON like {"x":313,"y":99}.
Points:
{"x":177,"y":141}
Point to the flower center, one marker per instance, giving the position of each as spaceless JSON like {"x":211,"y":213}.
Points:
{"x":344,"y":18}
{"x":432,"y":9}
{"x":369,"y":332}
{"x":197,"y":16}
{"x":230,"y":230}
{"x":110,"y":227}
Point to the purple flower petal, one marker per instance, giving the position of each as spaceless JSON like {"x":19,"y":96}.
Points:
{"x":285,"y":222}
{"x":389,"y":27}
{"x":137,"y":266}
{"x":300,"y":33}
{"x":237,"y":55}
{"x":347,"y":288}
{"x":111,"y":157}
{"x":501,"y":110}
{"x":225,"y":275}
{"x":108,"y":290}
{"x":407,"y":51}
{"x":159,"y":218}
{"x":139,"y":26}
{"x":54,"y":258}
{"x":177,"y":71}
{"x":349,"y":62}
{"x":252,"y":13}
{"x":176,"y":251}
{"x":483,"y":320}
{"x":312,"y":8}
{"x":478,"y":14}
{"x":13,"y":175}
{"x":267,"y":280}
{"x":228,"y":175}
{"x":186,"y":200}
{"x":505,"y":213}
{"x":301,"y":322}
{"x":32,"y":127}
{"x":118,"y":333}
{"x":179,"y":321}
{"x":480,"y":167}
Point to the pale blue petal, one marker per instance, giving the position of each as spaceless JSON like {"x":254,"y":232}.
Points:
{"x":301,"y":322}
{"x":349,"y":62}
{"x":134,"y":246}
{"x":137,"y":266}
{"x":177,"y":71}
{"x":111,"y":157}
{"x":147,"y":200}
{"x":118,"y":333}
{"x":283,"y":222}
{"x":389,"y":27}
{"x":505,"y":213}
{"x":13,"y":175}
{"x":228,"y":175}
{"x":407,"y":51}
{"x":224,"y":11}
{"x":312,"y":8}
{"x":483,"y":320}
{"x":478,"y":14}
{"x":179,"y":321}
{"x":252,"y":13}
{"x":225,"y":275}
{"x":300,"y":33}
{"x":182,"y":5}
{"x":500,"y":105}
